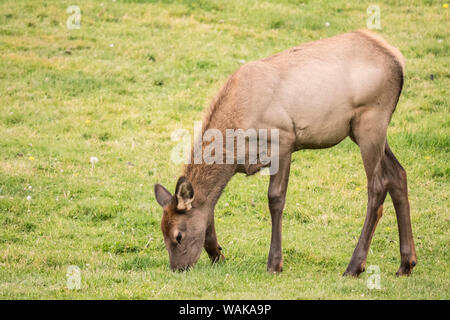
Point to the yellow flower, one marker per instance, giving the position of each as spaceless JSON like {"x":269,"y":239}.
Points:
{"x":87,"y":121}
{"x":427,"y":157}
{"x":445,"y":5}
{"x":31,"y":158}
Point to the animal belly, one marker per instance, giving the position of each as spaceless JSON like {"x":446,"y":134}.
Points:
{"x":319,"y":103}
{"x":321,"y":133}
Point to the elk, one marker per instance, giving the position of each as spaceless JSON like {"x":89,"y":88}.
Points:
{"x":315,"y":95}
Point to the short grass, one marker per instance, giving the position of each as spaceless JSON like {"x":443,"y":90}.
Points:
{"x":137,"y":70}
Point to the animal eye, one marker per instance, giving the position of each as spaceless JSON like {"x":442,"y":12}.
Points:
{"x":178,"y":238}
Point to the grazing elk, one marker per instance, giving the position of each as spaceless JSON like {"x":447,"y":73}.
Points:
{"x":315,"y":95}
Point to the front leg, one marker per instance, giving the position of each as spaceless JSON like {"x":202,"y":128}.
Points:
{"x":212,"y":247}
{"x":277,"y":196}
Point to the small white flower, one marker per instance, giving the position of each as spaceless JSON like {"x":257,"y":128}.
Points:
{"x":30,"y":187}
{"x":111,"y":45}
{"x":327,"y":24}
{"x":440,"y":40}
{"x":93,"y":160}
{"x":28,"y":198}
{"x":242,"y":61}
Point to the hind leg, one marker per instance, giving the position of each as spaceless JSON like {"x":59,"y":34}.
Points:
{"x":369,"y":132}
{"x":397,"y":188}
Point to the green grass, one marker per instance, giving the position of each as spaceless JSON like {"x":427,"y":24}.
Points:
{"x":137,"y":70}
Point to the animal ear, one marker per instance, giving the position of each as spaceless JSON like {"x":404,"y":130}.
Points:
{"x":162,"y":195}
{"x":184,"y":194}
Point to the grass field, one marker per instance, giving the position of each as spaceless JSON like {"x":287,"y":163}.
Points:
{"x":134,"y":72}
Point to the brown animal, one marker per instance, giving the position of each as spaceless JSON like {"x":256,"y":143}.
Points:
{"x":316,"y":95}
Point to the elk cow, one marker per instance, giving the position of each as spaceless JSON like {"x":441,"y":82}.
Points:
{"x":315,"y":95}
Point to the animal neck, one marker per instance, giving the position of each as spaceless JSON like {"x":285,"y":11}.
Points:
{"x":208,"y":181}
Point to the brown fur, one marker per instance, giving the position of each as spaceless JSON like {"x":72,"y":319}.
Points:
{"x":316,"y":95}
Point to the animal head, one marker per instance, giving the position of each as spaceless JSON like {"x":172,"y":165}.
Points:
{"x":182,"y":224}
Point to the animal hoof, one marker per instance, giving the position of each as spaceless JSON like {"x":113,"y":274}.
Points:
{"x":351,"y":274}
{"x":221,"y":258}
{"x":354,"y":271}
{"x":277,"y":268}
{"x":217,"y":258}
{"x":406,"y":268}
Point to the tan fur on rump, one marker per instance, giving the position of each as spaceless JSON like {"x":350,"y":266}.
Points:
{"x":382,"y":43}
